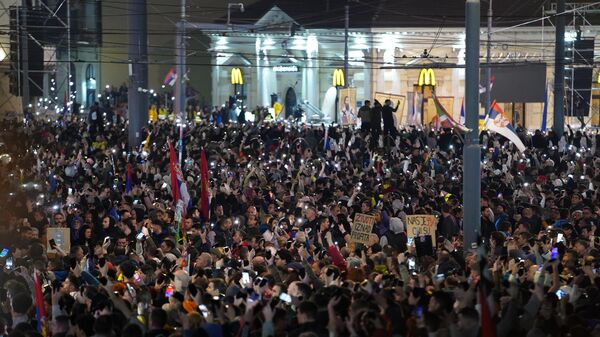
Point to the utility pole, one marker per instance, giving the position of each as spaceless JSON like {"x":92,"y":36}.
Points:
{"x":347,"y":26}
{"x":138,"y":70}
{"x":180,"y":103}
{"x":180,"y":68}
{"x":471,"y":149}
{"x":559,"y":70}
{"x":24,"y":57}
{"x":488,"y":61}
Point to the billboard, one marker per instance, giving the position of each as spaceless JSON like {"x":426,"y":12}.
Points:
{"x":518,"y":83}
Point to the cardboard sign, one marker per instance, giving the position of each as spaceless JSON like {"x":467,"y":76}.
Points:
{"x":62,"y":238}
{"x":362,"y":227}
{"x":421,"y":224}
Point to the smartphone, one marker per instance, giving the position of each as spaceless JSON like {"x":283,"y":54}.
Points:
{"x":560,"y":237}
{"x":440,"y":277}
{"x":246,"y":278}
{"x":73,"y":263}
{"x":140,"y":236}
{"x":52,"y":243}
{"x":169,"y":291}
{"x":419,"y":311}
{"x":136,"y":277}
{"x":554,"y":253}
{"x":4,"y":252}
{"x":106,"y":240}
{"x":203,"y":310}
{"x":560,"y":294}
{"x":9,"y":263}
{"x":411,"y":263}
{"x":101,"y":262}
{"x":130,"y":290}
{"x":285,"y":297}
{"x":409,"y":241}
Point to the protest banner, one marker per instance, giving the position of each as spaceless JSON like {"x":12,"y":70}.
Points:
{"x":362,"y":227}
{"x":61,"y":237}
{"x":421,"y":224}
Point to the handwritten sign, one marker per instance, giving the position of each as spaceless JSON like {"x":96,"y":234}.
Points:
{"x":421,"y":224}
{"x":62,"y":238}
{"x":362,"y":227}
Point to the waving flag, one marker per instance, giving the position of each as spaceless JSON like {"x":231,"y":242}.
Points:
{"x":173,"y":172}
{"x":444,"y":119}
{"x":204,"y":192}
{"x":128,"y":179}
{"x":496,"y":122}
{"x":178,"y":185}
{"x":170,"y":78}
{"x":40,"y":308}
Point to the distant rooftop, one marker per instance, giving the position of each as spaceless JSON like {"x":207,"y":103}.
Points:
{"x":390,"y":13}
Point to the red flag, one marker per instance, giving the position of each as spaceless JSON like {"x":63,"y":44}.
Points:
{"x":173,"y":171}
{"x":40,"y":308}
{"x":488,"y":326}
{"x":204,"y":203}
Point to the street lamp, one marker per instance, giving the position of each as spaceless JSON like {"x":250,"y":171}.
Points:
{"x":426,"y":79}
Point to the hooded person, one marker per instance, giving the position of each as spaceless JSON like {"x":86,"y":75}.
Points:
{"x":395,"y":236}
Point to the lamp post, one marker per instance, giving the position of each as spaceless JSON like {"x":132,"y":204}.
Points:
{"x":426,"y":79}
{"x":338,"y":82}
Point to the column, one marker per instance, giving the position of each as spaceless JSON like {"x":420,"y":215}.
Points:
{"x":216,"y":83}
{"x":368,"y":86}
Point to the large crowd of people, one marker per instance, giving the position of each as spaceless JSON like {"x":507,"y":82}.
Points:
{"x":274,"y":254}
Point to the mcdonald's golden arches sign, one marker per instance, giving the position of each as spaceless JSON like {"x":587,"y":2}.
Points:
{"x":236,"y":76}
{"x":338,"y":78}
{"x":427,"y":77}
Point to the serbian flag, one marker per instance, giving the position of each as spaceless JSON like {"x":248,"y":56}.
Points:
{"x":170,"y":78}
{"x":496,"y":122}
{"x":128,"y":179}
{"x":40,"y":309}
{"x":173,"y":172}
{"x":444,"y":119}
{"x":204,"y":192}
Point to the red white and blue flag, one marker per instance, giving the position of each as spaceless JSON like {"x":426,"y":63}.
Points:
{"x":40,"y":308}
{"x":178,"y":186}
{"x":170,"y":78}
{"x":496,"y":122}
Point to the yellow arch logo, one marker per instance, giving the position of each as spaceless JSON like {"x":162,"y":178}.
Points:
{"x":236,"y":76}
{"x":427,"y":77}
{"x":338,"y":78}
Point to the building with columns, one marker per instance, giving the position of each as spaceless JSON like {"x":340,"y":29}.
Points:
{"x":282,"y":50}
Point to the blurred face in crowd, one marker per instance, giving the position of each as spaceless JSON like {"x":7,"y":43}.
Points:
{"x":252,"y":211}
{"x":311,"y":214}
{"x":59,"y":219}
{"x":121,"y":242}
{"x":105,"y":222}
